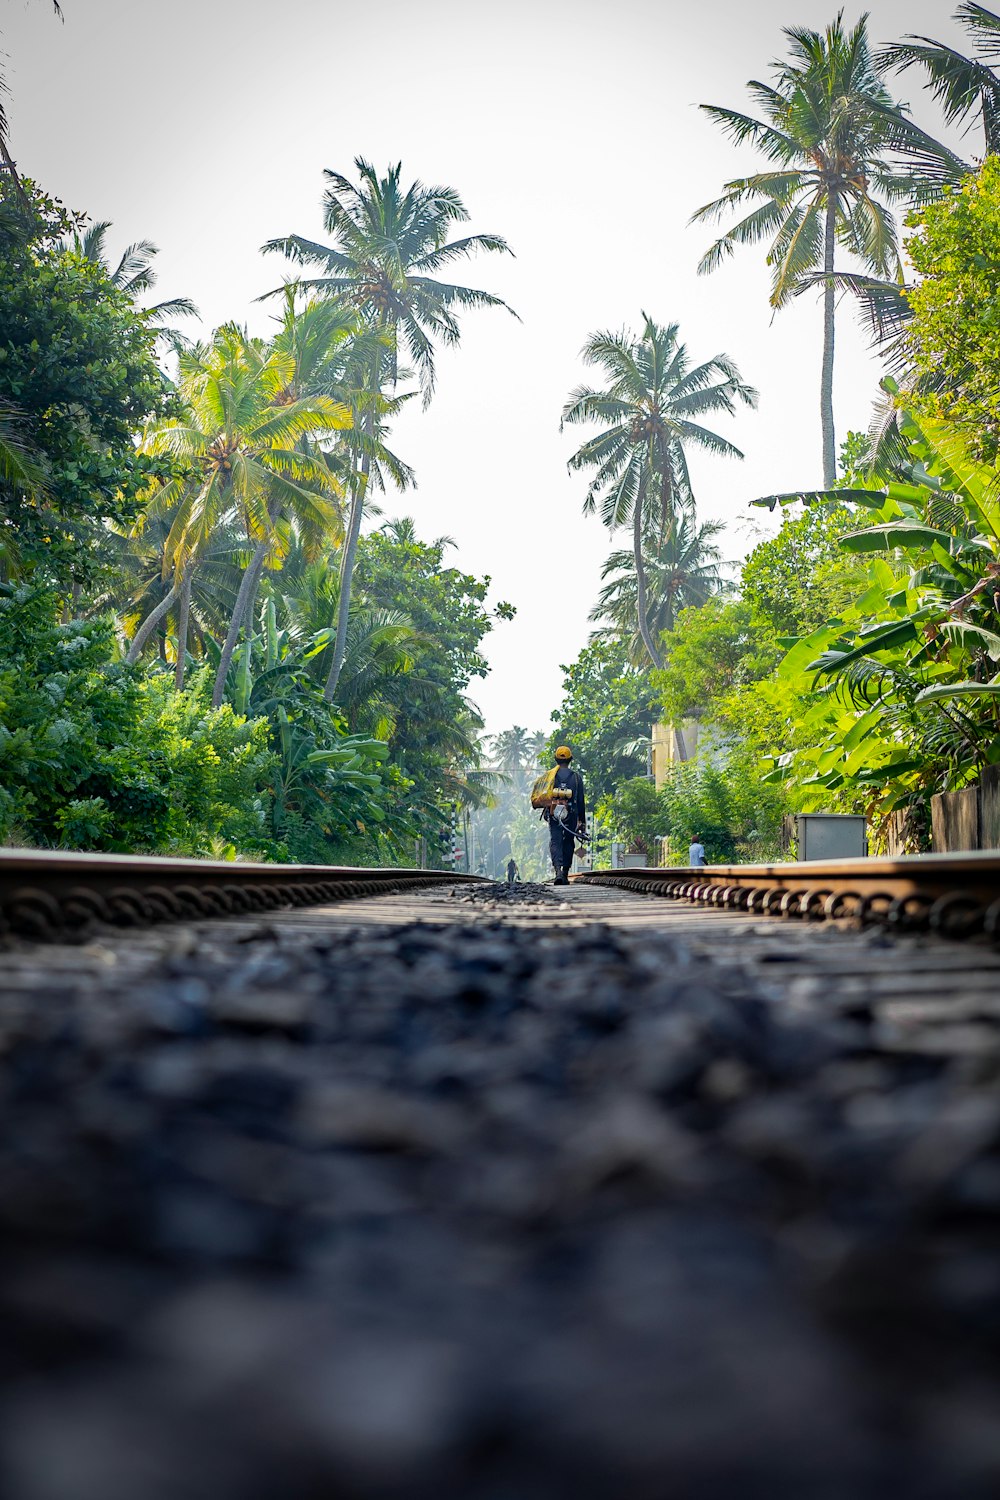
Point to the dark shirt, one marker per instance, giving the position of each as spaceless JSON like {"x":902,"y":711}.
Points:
{"x":577,"y":813}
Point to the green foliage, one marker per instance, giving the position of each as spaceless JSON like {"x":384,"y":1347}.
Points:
{"x":903,"y":700}
{"x":797,"y":579}
{"x":91,"y":756}
{"x":636,"y":814}
{"x":955,"y":328}
{"x":327,"y":791}
{"x":76,"y":361}
{"x":179,"y":506}
{"x":435,"y":725}
{"x":966,"y":88}
{"x":387,"y":243}
{"x":606,"y":715}
{"x":710,"y":652}
{"x":727,"y":802}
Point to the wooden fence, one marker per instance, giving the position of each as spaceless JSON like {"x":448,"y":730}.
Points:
{"x":969,"y":819}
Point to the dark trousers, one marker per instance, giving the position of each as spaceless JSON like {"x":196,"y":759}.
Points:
{"x":561,"y":844}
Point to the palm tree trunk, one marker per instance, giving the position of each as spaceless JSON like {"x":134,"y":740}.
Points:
{"x":183,"y":616}
{"x":640,"y":583}
{"x":347,"y":567}
{"x":826,"y":384}
{"x":242,"y":607}
{"x":150,"y":623}
{"x":244,"y":603}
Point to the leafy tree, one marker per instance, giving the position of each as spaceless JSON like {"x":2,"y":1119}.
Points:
{"x":380,"y":643}
{"x":388,"y":243}
{"x":514,"y":751}
{"x":713,"y":649}
{"x":794,"y":581}
{"x":606,"y":715}
{"x":635,"y":814}
{"x":954,"y":327}
{"x":723,"y":661}
{"x":508,"y":828}
{"x":21,"y":475}
{"x":436,"y":728}
{"x":649,"y":411}
{"x":77,"y":364}
{"x":830,"y":133}
{"x":139,"y":569}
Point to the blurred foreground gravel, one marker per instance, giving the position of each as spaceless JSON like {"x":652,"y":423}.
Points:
{"x":508,"y":1209}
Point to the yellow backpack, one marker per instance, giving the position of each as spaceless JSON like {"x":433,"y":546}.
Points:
{"x":542,"y":793}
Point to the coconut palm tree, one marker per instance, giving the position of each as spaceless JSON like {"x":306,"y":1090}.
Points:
{"x":388,"y":245}
{"x":832,"y":136}
{"x":683,"y":569}
{"x":139,"y":571}
{"x":241,"y":440}
{"x":511,"y":750}
{"x":967,"y":88}
{"x":134,"y":273}
{"x":649,"y":412}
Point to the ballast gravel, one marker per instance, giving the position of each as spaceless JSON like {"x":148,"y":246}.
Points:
{"x":497,"y":1211}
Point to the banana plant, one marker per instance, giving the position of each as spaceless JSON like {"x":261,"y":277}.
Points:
{"x":900,"y":696}
{"x":323,"y":774}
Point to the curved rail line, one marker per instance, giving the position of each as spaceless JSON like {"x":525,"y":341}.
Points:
{"x":955,"y":895}
{"x":45,"y":895}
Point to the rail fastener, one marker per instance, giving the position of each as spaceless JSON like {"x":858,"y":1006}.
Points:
{"x":46,"y":894}
{"x":954,"y":895}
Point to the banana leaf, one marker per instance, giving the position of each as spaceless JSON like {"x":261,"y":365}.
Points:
{"x":959,"y":690}
{"x":893,"y":534}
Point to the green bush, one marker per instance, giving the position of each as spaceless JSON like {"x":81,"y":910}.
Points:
{"x":725,"y":799}
{"x":93,"y":755}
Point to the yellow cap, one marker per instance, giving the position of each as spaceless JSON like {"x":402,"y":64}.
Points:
{"x":564,"y":753}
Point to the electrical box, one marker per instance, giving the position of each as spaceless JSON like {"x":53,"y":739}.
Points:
{"x":831,"y":836}
{"x":622,"y":860}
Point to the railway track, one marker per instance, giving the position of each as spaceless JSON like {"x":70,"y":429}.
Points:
{"x":953,"y":895}
{"x":45,"y":895}
{"x":471,"y":1192}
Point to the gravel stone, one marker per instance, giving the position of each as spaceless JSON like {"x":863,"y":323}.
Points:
{"x":500,"y":1205}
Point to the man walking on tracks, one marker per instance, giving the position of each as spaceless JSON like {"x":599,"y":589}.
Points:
{"x":560,"y":795}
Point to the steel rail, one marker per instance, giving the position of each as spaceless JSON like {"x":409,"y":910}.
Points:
{"x":955,"y":895}
{"x":46,"y":894}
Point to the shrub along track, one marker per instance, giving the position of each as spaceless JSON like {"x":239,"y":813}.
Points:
{"x":501,"y":1195}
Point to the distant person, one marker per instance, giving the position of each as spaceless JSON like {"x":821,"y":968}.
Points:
{"x":696,"y":853}
{"x":512,"y":874}
{"x":560,"y":795}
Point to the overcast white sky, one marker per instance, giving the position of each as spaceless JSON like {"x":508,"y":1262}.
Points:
{"x":568,"y":126}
